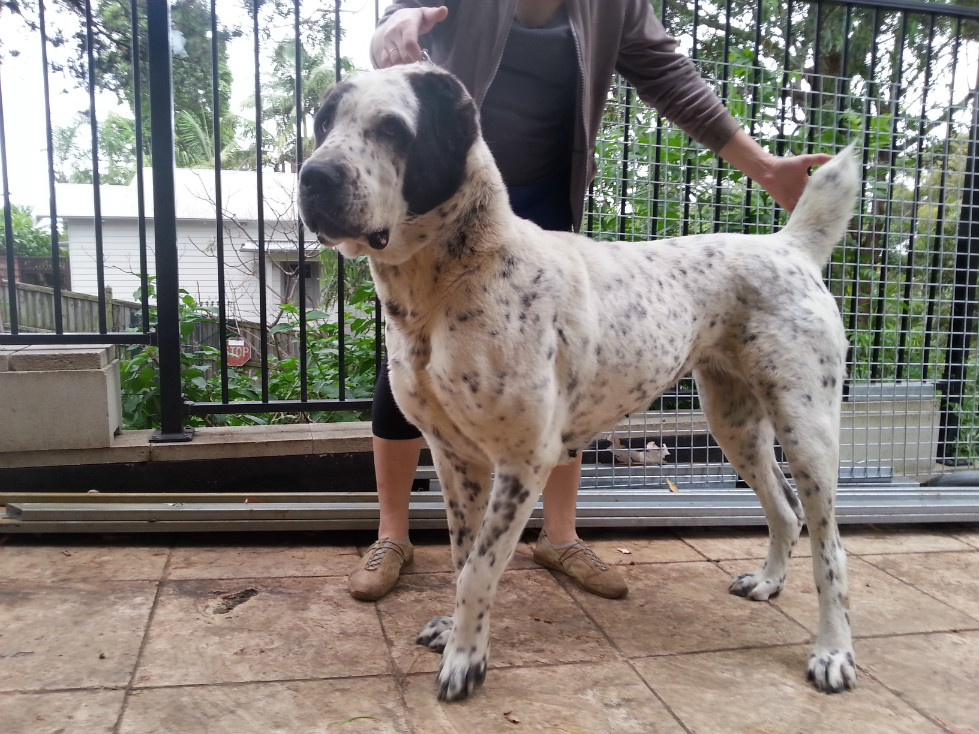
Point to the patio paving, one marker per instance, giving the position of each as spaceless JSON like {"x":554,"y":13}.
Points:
{"x":256,"y":633}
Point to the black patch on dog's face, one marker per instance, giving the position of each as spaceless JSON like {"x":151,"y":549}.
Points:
{"x":447,"y":128}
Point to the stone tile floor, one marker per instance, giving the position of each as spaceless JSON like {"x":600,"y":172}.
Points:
{"x":234,"y":633}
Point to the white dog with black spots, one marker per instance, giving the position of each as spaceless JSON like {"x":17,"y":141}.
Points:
{"x":502,"y":339}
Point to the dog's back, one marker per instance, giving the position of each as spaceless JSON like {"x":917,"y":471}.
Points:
{"x":699,"y":299}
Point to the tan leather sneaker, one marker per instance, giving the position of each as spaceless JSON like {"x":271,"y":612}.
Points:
{"x":585,"y":568}
{"x":379,"y":569}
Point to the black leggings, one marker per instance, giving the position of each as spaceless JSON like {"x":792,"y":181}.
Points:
{"x":547,"y":204}
{"x":387,"y":420}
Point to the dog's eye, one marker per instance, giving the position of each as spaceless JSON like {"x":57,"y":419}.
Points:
{"x":322,"y":125}
{"x":392,"y":128}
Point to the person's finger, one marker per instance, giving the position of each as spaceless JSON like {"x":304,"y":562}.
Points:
{"x":432,"y":17}
{"x":410,"y":51}
{"x":808,"y":160}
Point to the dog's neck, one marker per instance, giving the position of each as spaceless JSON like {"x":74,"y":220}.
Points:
{"x":443,"y":247}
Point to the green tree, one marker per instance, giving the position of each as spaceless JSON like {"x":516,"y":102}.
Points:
{"x":112,"y":48}
{"x":30,"y":239}
{"x":194,"y":141}
{"x":279,"y":99}
{"x":191,"y":64}
{"x":117,"y":150}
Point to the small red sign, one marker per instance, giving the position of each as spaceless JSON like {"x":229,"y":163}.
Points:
{"x":238,"y":352}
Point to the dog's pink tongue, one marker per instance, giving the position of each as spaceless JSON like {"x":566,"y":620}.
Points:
{"x":378,"y":240}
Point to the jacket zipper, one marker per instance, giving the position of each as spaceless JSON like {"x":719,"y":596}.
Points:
{"x":582,"y":122}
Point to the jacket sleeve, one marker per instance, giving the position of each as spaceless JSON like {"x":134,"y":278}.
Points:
{"x":669,"y":80}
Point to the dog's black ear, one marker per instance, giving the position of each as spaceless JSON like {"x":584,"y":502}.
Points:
{"x":447,"y":128}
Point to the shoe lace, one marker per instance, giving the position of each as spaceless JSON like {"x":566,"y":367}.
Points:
{"x":589,"y":554}
{"x":378,"y":550}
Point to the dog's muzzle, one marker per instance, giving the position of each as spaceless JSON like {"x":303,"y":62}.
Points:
{"x":325,"y":203}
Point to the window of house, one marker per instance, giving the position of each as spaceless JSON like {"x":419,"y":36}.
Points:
{"x":290,"y":281}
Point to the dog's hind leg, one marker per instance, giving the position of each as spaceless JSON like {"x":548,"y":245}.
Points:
{"x":814,"y":461}
{"x":465,"y":490}
{"x":799,"y":399}
{"x":741,"y":426}
{"x":464,"y":660}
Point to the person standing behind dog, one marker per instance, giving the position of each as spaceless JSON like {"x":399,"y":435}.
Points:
{"x":539,"y":71}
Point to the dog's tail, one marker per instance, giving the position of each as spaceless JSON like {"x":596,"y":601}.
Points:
{"x":821,"y":218}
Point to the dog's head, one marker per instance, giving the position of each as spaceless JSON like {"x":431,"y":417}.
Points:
{"x":391,"y":145}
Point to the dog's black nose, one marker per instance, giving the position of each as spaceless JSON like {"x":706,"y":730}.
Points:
{"x":321,"y":176}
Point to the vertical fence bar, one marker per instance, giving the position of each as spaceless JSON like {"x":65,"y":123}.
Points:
{"x":300,"y":231}
{"x":855,"y":287}
{"x":753,"y":115}
{"x":378,"y":321}
{"x":341,"y":273}
{"x":876,"y":355}
{"x":93,"y":124}
{"x":688,"y":168}
{"x":658,"y":187}
{"x":8,"y":226}
{"x":841,"y":89}
{"x":624,"y":181}
{"x":785,"y":93}
{"x":965,"y":295}
{"x":140,"y":188}
{"x":817,"y":81}
{"x":721,"y":168}
{"x":908,"y":269}
{"x":263,"y":317}
{"x":219,"y":202}
{"x":935,"y":266}
{"x":52,"y":199}
{"x":165,"y":225}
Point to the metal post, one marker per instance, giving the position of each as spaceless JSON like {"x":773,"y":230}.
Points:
{"x":165,"y":226}
{"x":964,"y":299}
{"x":8,"y":229}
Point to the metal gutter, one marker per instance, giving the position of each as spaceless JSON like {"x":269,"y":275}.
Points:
{"x":640,"y":507}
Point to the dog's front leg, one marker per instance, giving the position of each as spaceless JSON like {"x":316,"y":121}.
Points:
{"x":465,"y":490}
{"x":465,"y":657}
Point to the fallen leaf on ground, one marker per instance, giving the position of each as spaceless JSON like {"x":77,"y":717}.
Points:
{"x":355,"y":718}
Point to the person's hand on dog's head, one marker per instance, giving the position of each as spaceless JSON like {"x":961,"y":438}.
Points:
{"x":396,"y":41}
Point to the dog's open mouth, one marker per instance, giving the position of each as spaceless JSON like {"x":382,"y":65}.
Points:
{"x":377,"y":240}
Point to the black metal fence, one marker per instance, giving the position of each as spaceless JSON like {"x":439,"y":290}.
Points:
{"x":155,"y":83}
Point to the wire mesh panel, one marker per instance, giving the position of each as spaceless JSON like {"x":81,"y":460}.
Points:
{"x":902,"y":89}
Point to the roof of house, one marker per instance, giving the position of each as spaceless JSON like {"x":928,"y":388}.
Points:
{"x":195,"y":196}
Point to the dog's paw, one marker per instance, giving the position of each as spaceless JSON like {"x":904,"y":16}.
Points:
{"x":460,"y":673}
{"x":756,"y":586}
{"x":832,"y":671}
{"x":435,"y":634}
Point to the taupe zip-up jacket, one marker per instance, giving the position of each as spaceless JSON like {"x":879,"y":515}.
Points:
{"x":610,"y":36}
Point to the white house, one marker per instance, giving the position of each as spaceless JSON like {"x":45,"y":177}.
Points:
{"x":198,"y":238}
